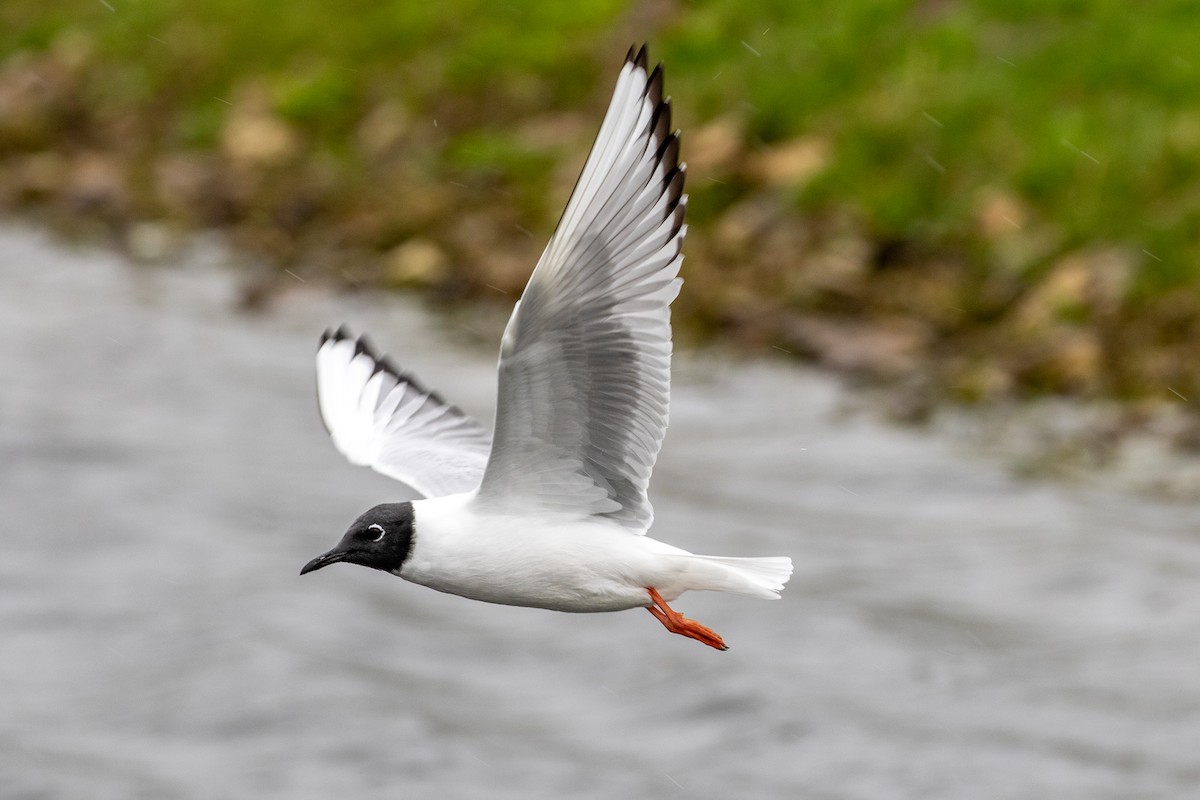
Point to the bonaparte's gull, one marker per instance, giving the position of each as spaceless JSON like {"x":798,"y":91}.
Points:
{"x":551,"y":510}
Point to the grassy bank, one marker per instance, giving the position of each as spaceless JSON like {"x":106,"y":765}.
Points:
{"x":981,"y":200}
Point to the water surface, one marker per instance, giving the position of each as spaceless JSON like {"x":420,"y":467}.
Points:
{"x":950,"y":632}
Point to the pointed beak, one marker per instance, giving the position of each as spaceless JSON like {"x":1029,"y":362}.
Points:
{"x":331,"y":557}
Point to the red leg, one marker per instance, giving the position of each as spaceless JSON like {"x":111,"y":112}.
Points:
{"x":675,"y":622}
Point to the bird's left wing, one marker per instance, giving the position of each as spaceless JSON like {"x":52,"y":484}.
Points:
{"x":382,"y":418}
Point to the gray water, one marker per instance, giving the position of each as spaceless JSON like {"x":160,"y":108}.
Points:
{"x":950,"y":632}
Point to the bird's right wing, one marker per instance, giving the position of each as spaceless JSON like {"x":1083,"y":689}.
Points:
{"x":585,"y":365}
{"x":382,"y":418}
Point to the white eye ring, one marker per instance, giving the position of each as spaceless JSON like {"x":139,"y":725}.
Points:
{"x":379,"y":528}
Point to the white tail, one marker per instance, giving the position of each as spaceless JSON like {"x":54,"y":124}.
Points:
{"x":758,"y":577}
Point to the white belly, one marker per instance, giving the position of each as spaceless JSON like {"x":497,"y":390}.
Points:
{"x":570,"y":566}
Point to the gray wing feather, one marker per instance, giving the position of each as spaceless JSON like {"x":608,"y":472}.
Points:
{"x":586,"y":357}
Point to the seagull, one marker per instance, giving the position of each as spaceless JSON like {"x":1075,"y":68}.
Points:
{"x":550,"y":511}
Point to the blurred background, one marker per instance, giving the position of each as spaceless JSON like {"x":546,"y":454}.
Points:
{"x":983,"y":217}
{"x":982,"y":199}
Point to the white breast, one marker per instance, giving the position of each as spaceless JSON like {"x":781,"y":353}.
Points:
{"x":563,"y":563}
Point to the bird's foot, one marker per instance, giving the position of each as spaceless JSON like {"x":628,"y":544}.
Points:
{"x":675,"y":622}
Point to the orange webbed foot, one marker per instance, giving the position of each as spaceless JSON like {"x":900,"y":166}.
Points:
{"x":675,"y":622}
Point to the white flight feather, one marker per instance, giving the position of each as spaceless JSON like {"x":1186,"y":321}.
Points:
{"x":382,"y":418}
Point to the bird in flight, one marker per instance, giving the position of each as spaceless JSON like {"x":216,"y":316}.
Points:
{"x":550,"y":510}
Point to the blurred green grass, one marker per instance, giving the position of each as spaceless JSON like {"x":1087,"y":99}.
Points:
{"x":323,"y":62}
{"x":1086,"y":111}
{"x":1075,"y":122}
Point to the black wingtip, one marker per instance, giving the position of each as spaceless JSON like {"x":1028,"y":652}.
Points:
{"x":676,"y":212}
{"x":654,"y":85}
{"x":673,"y":181}
{"x":338,"y":334}
{"x":363,"y":347}
{"x":660,"y":121}
{"x":668,"y":151}
{"x":638,"y":60}
{"x":388,"y":365}
{"x":384,"y":363}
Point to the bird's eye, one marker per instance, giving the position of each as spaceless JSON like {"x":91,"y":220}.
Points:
{"x":380,"y":530}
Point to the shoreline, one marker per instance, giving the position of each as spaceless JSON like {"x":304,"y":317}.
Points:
{"x":1149,"y":448}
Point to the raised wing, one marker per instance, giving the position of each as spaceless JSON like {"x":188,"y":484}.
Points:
{"x":382,"y":418}
{"x":586,"y":357}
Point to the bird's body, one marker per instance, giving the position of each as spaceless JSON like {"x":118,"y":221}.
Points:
{"x":564,"y":565}
{"x":570,"y":563}
{"x":550,"y":510}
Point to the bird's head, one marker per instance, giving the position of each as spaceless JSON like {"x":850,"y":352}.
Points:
{"x":380,"y":539}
